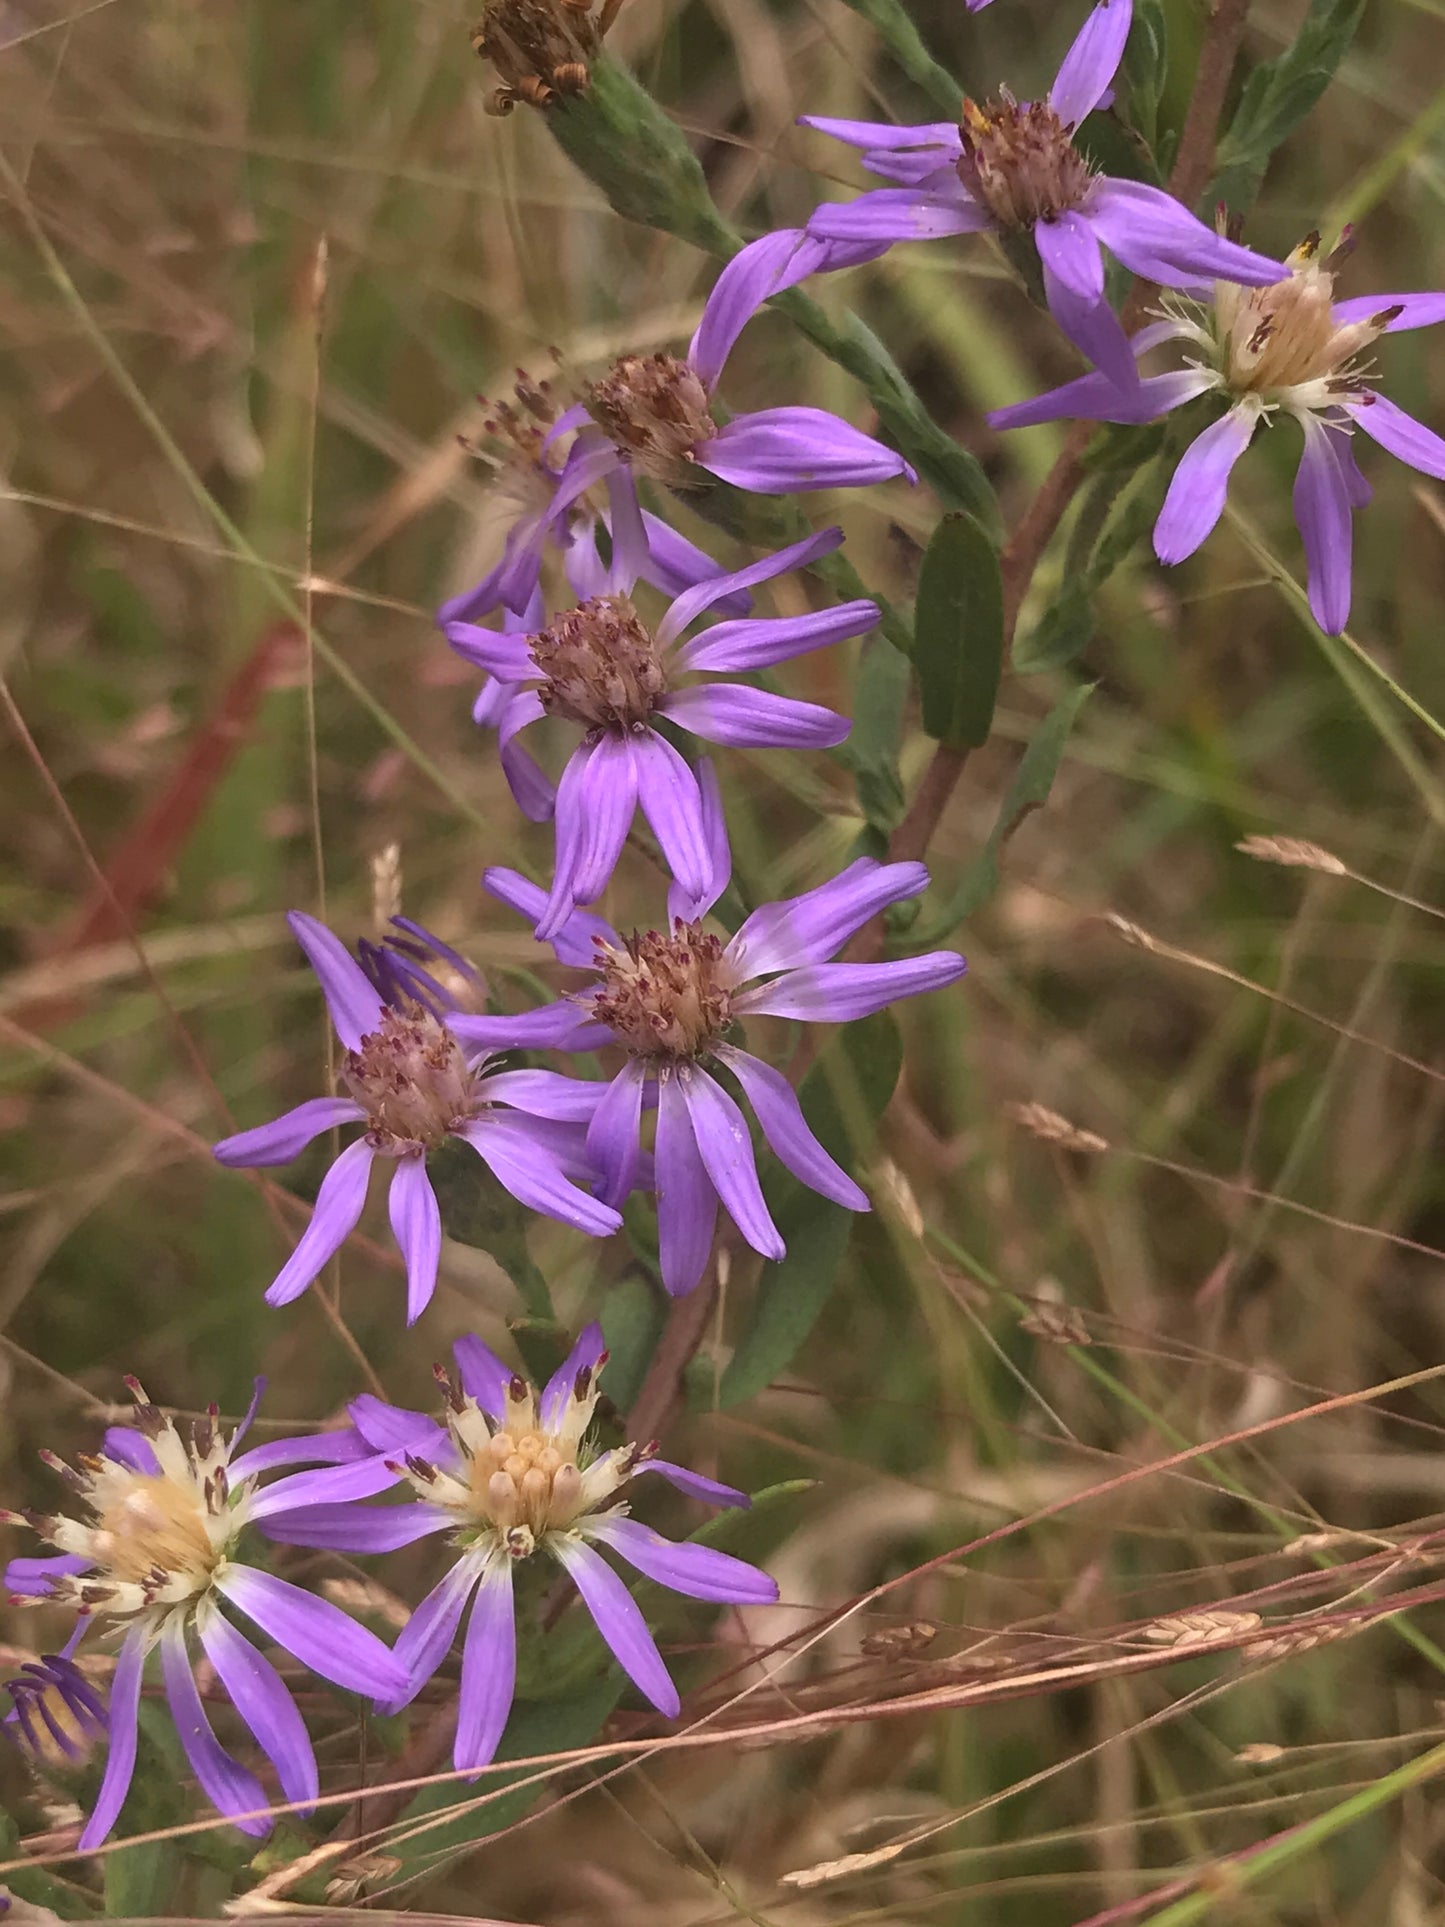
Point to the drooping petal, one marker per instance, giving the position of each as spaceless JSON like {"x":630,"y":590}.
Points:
{"x":1155,"y":235}
{"x":812,"y":927}
{"x":1195,"y":499}
{"x":687,"y":1202}
{"x":596,"y":801}
{"x":312,"y":1630}
{"x":763,"y":268}
{"x":416,"y":1224}
{"x":675,"y":564}
{"x":532,"y":789}
{"x":1406,"y":438}
{"x":131,"y":1448}
{"x":521,"y":558}
{"x":1088,"y":68}
{"x":698,"y":1571}
{"x":1094,"y":398}
{"x":837,"y":993}
{"x":575,"y":939}
{"x":586,"y":1355}
{"x":333,"y":1219}
{"x":689,"y":905}
{"x":503,"y":653}
{"x":427,"y":1636}
{"x":259,"y":1695}
{"x":228,"y":1785}
{"x":757,"y":644}
{"x":544,"y":1094}
{"x":619,"y":1620}
{"x":1069,"y":248}
{"x":671,"y":801}
{"x":900,"y":214}
{"x":742,"y":717}
{"x":351,"y":997}
{"x":1322,"y":510}
{"x":1095,"y":330}
{"x":938,"y":138}
{"x":122,"y":1715}
{"x":629,"y":535}
{"x":727,"y":1151}
{"x":489,"y":1670}
{"x":776,"y":1107}
{"x":1360,"y":493}
{"x":614,"y":1135}
{"x":285,"y":1137}
{"x":521,"y":1162}
{"x":709,"y":1491}
{"x":1414,"y":311}
{"x":484,"y":1377}
{"x":716,"y":590}
{"x":783,"y":451}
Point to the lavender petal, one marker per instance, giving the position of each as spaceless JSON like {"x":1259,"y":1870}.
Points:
{"x":899,"y":214}
{"x":124,"y":1711}
{"x":596,"y":800}
{"x":330,"y":1485}
{"x":565,"y":1025}
{"x":1069,"y":248}
{"x":31,"y":1578}
{"x":585,"y":1356}
{"x":689,"y":905}
{"x":416,"y":1224}
{"x":671,"y":801}
{"x":629,"y":534}
{"x":357,"y":1528}
{"x":763,"y":268}
{"x":776,"y":1107}
{"x":337,"y":1209}
{"x":1095,"y":398}
{"x":427,"y":1637}
{"x":1400,"y":433}
{"x":726,"y":1150}
{"x":687,"y":1203}
{"x":1095,"y":330}
{"x":484,"y":1377}
{"x":614,"y":1135}
{"x":697,"y":1571}
{"x":619,"y":1620}
{"x":1415,"y":310}
{"x":489,"y":1670}
{"x":259,"y":1695}
{"x":1152,"y":233}
{"x":502,"y":653}
{"x":719,"y":589}
{"x":756,"y":644}
{"x":576,"y":939}
{"x":742,"y":717}
{"x":709,"y":1491}
{"x":1322,"y":510}
{"x":393,"y":1430}
{"x":1088,"y":68}
{"x":675,"y":564}
{"x":515,"y":1157}
{"x":285,"y":1137}
{"x":810,"y":928}
{"x":228,"y":1785}
{"x":1195,"y":499}
{"x":310,"y":1448}
{"x":783,"y":451}
{"x":837,"y":993}
{"x":131,"y":1448}
{"x":532,"y":789}
{"x":356,"y":1008}
{"x":312,"y":1630}
{"x":544,"y":1094}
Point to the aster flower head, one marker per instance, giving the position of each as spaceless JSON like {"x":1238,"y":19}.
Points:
{"x":414,"y":1084}
{"x":509,"y":1474}
{"x":601,"y":667}
{"x":1287,"y":350}
{"x":157,"y":1556}
{"x":671,"y":997}
{"x":55,"y":1713}
{"x":1012,"y":167}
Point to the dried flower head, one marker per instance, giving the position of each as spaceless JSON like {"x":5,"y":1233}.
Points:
{"x":1020,"y":162}
{"x":655,"y":411}
{"x":600,"y":665}
{"x":666,"y":998}
{"x":1293,"y":852}
{"x":541,"y":49}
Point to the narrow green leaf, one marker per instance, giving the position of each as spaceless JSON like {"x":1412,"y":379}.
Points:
{"x":1146,"y":67}
{"x":958,"y":633}
{"x":899,"y":35}
{"x":632,"y":1320}
{"x":1029,"y":791}
{"x":1062,"y":632}
{"x":871,"y":749}
{"x":1279,"y":94}
{"x":478,"y":1211}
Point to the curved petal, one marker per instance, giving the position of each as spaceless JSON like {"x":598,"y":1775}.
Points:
{"x":394,"y":1430}
{"x":1322,"y":510}
{"x":31,"y":1578}
{"x":122,"y":1715}
{"x":310,"y":1448}
{"x":1095,"y":330}
{"x":810,"y":928}
{"x":285,"y":1137}
{"x":229,"y":1787}
{"x":763,"y":268}
{"x":565,"y":1025}
{"x":671,"y":801}
{"x":351,"y":997}
{"x":1195,"y":499}
{"x":484,"y":1376}
{"x":1087,"y":70}
{"x":687,"y":1201}
{"x":1156,"y":236}
{"x":938,"y":138}
{"x":742,"y":717}
{"x":689,"y":905}
{"x":697,"y":1571}
{"x":358,"y":1528}
{"x":709,"y":1491}
{"x":776,"y":1107}
{"x":836,"y":993}
{"x":489,"y":1670}
{"x":1392,"y":428}
{"x":1404,"y":310}
{"x":784,"y":451}
{"x":503,"y":653}
{"x":614,"y":1136}
{"x":312,"y":1630}
{"x":524,"y":1167}
{"x":1069,"y":248}
{"x":718,"y":589}
{"x":760,"y":642}
{"x":362,"y":1479}
{"x":427,"y":1636}
{"x":596,"y":801}
{"x":587,"y":1354}
{"x":1094,"y":398}
{"x":900,"y":214}
{"x":333,"y":1219}
{"x":726,"y":1150}
{"x":544,"y":1094}
{"x":619,"y":1620}
{"x":629,"y":535}
{"x":532,"y":789}
{"x":259,"y":1695}
{"x":576,"y":938}
{"x":131,"y":1448}
{"x":675,"y":564}
{"x":416,"y":1224}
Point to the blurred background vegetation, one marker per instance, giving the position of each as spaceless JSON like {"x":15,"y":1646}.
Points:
{"x":208,"y":436}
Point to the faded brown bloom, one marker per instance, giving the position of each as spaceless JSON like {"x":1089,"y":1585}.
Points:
{"x":411,"y":1079}
{"x":665,"y":997}
{"x":654,"y":409}
{"x":601,"y":665}
{"x":1019,"y":161}
{"x":541,"y":49}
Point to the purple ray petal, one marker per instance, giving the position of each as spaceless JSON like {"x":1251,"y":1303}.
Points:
{"x":726,"y":1150}
{"x":715,"y":592}
{"x":338,"y":1206}
{"x":488,"y":595}
{"x":690,"y":905}
{"x":629,"y":535}
{"x":1195,"y":500}
{"x":763,"y":268}
{"x":582,"y":559}
{"x":532,"y":789}
{"x":886,"y":136}
{"x":503,"y":653}
{"x":839,"y":992}
{"x":709,"y":1491}
{"x":564,"y":1025}
{"x":130,"y":1448}
{"x":312,"y":1630}
{"x":491,"y":702}
{"x":1094,"y":398}
{"x":330,"y":1484}
{"x":745,"y":718}
{"x":427,"y":1637}
{"x":517,"y":1159}
{"x":810,"y":928}
{"x":1406,"y":438}
{"x":309,"y":1448}
{"x":698,"y":1571}
{"x":394,"y":1430}
{"x":757,"y":644}
{"x":776,"y":1107}
{"x":900,"y":214}
{"x":1322,"y":510}
{"x":489,"y":1670}
{"x":356,"y":1008}
{"x":675,"y":564}
{"x":1415,"y":310}
{"x":589,"y":460}
{"x":229,"y":1787}
{"x":613,"y":1137}
{"x":1360,"y":493}
{"x":782,"y":451}
{"x":671,"y":801}
{"x":687,"y":1203}
{"x":1069,"y":248}
{"x":259,"y":1695}
{"x":285,"y":1137}
{"x":1088,"y":68}
{"x":575,"y":940}
{"x":1150,"y":231}
{"x":596,"y":800}
{"x":1095,"y":330}
{"x":620,"y":1622}
{"x":416,"y":1224}
{"x":585,"y":1356}
{"x":484,"y":1377}
{"x":30,"y":1578}
{"x":358,"y":1528}
{"x":122,"y":1715}
{"x":544,"y":1094}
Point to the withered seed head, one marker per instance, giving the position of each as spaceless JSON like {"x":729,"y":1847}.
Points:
{"x":654,"y":409}
{"x":541,"y":49}
{"x":1020,"y":161}
{"x":601,"y":665}
{"x":411,"y":1079}
{"x":665,"y":997}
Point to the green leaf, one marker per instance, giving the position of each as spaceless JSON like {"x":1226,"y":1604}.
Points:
{"x":1146,"y":67}
{"x":901,"y":38}
{"x":958,"y":633}
{"x":1063,"y":631}
{"x":632,"y":1320}
{"x":478,"y":1211}
{"x":1029,"y":791}
{"x":843,"y":1096}
{"x":1279,"y":94}
{"x":33,"y":1884}
{"x":871,"y":748}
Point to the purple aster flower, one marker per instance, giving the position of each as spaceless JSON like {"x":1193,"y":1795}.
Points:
{"x":527,"y":476}
{"x":1011,"y":166}
{"x":601,"y":667}
{"x":1290,"y":349}
{"x":158,"y":1554}
{"x":671,"y":1000}
{"x":413,"y":1084}
{"x":55,"y":1712}
{"x":510,"y":1474}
